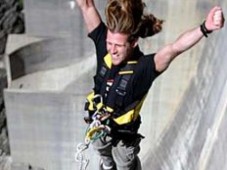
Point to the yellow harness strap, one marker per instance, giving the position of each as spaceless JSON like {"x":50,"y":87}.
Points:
{"x":131,"y":115}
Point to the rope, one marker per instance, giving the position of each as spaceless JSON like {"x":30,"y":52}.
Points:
{"x":94,"y":131}
{"x":79,"y":156}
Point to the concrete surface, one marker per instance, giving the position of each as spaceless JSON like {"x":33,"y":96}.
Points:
{"x":184,"y":116}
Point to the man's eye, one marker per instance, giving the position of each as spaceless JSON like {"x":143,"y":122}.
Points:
{"x":119,"y":45}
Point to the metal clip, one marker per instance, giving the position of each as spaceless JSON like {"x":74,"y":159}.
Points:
{"x":121,"y":92}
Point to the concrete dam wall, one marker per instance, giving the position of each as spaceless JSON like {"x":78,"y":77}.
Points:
{"x":184,"y":115}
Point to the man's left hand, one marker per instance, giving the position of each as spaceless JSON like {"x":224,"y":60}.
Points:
{"x":215,"y":19}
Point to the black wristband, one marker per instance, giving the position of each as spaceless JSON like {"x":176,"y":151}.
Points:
{"x":204,"y":30}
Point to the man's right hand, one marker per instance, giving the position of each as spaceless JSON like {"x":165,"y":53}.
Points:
{"x":84,"y":3}
{"x":91,"y":16}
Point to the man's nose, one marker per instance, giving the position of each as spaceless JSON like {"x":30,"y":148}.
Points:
{"x":113,"y":49}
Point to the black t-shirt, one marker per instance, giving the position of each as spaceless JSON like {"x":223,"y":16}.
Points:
{"x":145,"y":72}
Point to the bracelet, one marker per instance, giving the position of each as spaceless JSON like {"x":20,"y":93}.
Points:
{"x":204,"y":30}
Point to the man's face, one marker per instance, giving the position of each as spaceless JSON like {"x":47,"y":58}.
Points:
{"x":118,"y":47}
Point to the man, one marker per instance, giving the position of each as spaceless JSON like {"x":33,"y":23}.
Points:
{"x":124,"y":74}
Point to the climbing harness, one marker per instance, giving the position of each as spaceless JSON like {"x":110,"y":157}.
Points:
{"x":116,"y":94}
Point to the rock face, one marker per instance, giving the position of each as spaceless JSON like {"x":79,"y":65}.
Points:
{"x":11,"y":21}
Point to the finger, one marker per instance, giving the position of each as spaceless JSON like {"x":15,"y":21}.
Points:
{"x":218,"y":12}
{"x":211,"y":14}
{"x":217,"y":18}
{"x":215,"y":9}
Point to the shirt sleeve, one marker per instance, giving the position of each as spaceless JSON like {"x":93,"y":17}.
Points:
{"x":98,"y":35}
{"x":146,"y":75}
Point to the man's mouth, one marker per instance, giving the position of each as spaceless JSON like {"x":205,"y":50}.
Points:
{"x":115,"y":57}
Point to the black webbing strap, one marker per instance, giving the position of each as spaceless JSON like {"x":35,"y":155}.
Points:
{"x":121,"y":90}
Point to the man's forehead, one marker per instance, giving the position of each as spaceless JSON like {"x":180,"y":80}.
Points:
{"x":116,"y":37}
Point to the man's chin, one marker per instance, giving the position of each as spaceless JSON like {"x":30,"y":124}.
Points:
{"x":115,"y":63}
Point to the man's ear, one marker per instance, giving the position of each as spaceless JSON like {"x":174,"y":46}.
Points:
{"x":134,"y":43}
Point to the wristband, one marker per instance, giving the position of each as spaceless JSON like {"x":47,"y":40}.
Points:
{"x":204,"y":30}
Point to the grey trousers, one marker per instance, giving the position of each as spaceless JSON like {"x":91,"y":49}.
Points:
{"x":123,"y":156}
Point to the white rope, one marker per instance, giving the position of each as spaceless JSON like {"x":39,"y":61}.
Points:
{"x":79,"y":156}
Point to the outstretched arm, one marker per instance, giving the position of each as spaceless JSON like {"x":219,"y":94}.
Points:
{"x":164,"y":56}
{"x":91,"y":16}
